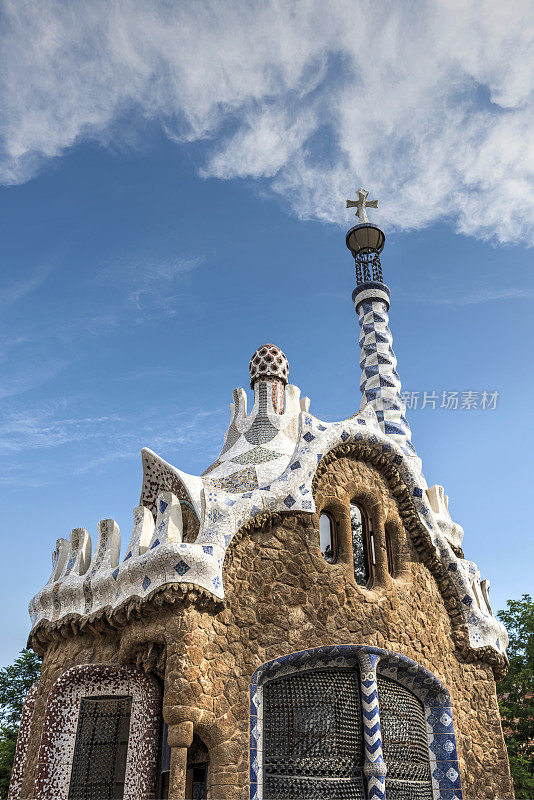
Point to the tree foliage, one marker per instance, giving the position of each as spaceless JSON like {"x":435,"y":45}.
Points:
{"x":516,"y":694}
{"x":15,"y":680}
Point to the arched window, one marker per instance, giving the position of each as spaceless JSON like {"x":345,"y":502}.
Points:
{"x":328,"y":537}
{"x":363,"y":545}
{"x":103,"y":741}
{"x":404,"y":741}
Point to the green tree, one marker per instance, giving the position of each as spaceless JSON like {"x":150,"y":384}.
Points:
{"x":15,"y":680}
{"x":516,"y":694}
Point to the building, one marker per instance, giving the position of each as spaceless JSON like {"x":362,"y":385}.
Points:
{"x":298,"y":622}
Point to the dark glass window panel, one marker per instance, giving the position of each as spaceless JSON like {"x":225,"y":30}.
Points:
{"x":312,"y":735}
{"x":200,"y":786}
{"x":165,"y":749}
{"x":404,"y":742}
{"x":197,"y":769}
{"x":164,"y":791}
{"x":101,"y":748}
{"x":389,"y":554}
{"x":360,"y":546}
{"x":328,"y":538}
{"x":165,"y":763}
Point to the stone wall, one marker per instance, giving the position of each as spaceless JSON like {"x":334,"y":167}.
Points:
{"x":281,"y":597}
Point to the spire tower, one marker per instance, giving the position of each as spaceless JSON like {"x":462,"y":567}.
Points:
{"x":380,"y":383}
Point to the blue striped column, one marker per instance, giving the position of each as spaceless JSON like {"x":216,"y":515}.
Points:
{"x":374,"y":767}
{"x":380,"y":383}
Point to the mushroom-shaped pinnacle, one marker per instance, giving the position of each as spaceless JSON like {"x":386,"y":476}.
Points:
{"x":268,"y":364}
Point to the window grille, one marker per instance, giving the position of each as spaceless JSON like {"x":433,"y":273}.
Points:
{"x":313,"y":744}
{"x":99,"y":763}
{"x":404,"y":742}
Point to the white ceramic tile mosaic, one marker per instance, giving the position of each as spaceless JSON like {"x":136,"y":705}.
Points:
{"x":267,"y":463}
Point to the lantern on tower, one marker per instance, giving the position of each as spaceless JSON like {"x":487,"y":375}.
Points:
{"x":365,"y":241}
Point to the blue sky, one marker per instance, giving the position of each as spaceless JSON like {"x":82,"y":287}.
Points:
{"x":165,"y":211}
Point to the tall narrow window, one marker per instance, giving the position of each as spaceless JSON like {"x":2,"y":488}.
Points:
{"x":404,"y":742}
{"x":389,"y":555}
{"x":328,"y":537}
{"x":197,"y":770}
{"x":165,"y":763}
{"x":313,"y":743}
{"x":363,"y":545}
{"x":99,"y":763}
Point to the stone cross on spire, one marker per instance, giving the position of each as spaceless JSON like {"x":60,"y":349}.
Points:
{"x":361,"y":204}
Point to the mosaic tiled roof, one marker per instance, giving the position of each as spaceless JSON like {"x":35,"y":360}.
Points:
{"x":267,"y":465}
{"x":257,"y":446}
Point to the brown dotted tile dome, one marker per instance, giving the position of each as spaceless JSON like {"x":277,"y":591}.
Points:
{"x":268,"y":362}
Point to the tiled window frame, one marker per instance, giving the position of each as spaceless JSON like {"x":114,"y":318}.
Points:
{"x":370,"y":661}
{"x":60,"y":726}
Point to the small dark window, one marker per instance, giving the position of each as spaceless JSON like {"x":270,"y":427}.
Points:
{"x":100,"y":750}
{"x":363,"y":545}
{"x":165,"y":763}
{"x":390,"y":556}
{"x":328,"y":537}
{"x":197,"y":770}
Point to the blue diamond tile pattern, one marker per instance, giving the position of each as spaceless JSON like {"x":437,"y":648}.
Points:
{"x":181,"y":568}
{"x":146,"y":582}
{"x":380,"y":384}
{"x":372,"y":661}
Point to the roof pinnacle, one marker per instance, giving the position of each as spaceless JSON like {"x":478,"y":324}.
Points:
{"x":269,"y":363}
{"x":361,"y":204}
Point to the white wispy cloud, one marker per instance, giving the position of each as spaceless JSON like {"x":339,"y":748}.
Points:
{"x":18,"y":289}
{"x":482,"y":295}
{"x":151,"y":283}
{"x":429,"y":104}
{"x":95,"y":442}
{"x":35,"y":428}
{"x":23,"y":377}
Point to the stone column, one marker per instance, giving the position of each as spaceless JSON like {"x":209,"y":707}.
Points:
{"x":380,"y":383}
{"x":179,"y":738}
{"x":374,"y":767}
